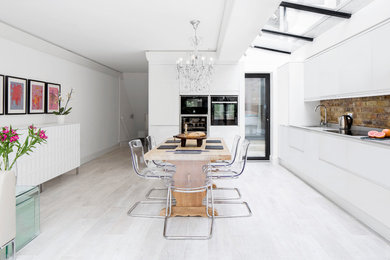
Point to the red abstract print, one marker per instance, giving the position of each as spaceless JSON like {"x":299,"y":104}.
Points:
{"x":53,"y":98}
{"x":36,"y":97}
{"x":16,"y":96}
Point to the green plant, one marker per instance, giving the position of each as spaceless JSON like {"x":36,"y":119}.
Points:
{"x":65,"y":110}
{"x":9,"y":140}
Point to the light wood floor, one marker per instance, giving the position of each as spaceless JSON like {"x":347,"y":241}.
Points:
{"x":84,"y":217}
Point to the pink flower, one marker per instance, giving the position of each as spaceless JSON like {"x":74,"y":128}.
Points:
{"x":3,"y":138}
{"x":32,"y":127}
{"x":13,"y":132}
{"x":42,"y":135}
{"x":5,"y":130}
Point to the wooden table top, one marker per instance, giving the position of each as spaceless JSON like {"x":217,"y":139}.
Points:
{"x":205,"y":155}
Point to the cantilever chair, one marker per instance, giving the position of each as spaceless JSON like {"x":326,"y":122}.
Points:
{"x":143,"y":170}
{"x":150,"y":144}
{"x":208,"y":188}
{"x":217,"y":164}
{"x":232,"y":171}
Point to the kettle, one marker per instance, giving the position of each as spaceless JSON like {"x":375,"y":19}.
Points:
{"x":345,"y":122}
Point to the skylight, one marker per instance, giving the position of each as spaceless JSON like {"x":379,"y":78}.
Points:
{"x":306,"y":23}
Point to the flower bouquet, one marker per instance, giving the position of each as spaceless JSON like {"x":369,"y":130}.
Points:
{"x":10,"y":146}
{"x":9,"y":143}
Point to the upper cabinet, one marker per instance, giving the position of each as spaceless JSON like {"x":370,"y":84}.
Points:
{"x":164,"y":99}
{"x":381,"y":58}
{"x":357,"y":67}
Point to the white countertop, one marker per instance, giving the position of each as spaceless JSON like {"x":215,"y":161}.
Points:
{"x":322,"y":129}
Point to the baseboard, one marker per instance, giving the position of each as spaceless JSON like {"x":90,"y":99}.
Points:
{"x":95,"y":155}
{"x":124,"y":143}
{"x":361,"y":216}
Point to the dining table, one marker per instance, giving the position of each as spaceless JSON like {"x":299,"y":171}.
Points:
{"x":189,"y":174}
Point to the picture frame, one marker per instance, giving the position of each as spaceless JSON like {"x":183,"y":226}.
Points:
{"x":15,"y":95}
{"x":2,"y":84}
{"x":36,"y":97}
{"x":53,"y":92}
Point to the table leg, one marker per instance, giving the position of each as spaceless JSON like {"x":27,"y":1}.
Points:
{"x":189,"y":174}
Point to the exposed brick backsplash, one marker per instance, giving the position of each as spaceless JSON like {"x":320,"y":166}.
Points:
{"x":367,"y":111}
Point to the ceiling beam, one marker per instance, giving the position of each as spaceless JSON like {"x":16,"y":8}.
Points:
{"x":317,"y":10}
{"x":305,"y":38}
{"x":270,"y":49}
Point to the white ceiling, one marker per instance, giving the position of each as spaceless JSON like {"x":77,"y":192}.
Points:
{"x":116,"y":33}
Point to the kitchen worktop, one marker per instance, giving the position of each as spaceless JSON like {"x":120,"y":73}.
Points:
{"x":322,"y":129}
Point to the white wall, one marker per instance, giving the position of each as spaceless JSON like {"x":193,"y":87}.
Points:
{"x":133,"y":105}
{"x":96,"y":100}
{"x":260,"y":61}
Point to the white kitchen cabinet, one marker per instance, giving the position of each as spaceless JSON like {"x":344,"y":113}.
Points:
{"x":357,"y":67}
{"x":226,"y":132}
{"x":322,"y":76}
{"x":227,"y":79}
{"x":381,"y":59}
{"x":352,"y":173}
{"x":292,"y":107}
{"x":164,"y":99}
{"x":162,"y":132}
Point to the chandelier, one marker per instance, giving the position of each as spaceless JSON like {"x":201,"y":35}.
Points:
{"x":195,"y":73}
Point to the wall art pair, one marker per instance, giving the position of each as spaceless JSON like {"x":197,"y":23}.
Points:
{"x":21,"y":96}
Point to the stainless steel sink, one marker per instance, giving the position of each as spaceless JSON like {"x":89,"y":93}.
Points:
{"x":333,"y":131}
{"x":347,"y":132}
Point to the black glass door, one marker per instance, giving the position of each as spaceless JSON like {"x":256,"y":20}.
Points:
{"x":257,"y":115}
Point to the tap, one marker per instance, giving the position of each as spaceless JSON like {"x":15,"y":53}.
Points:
{"x":325,"y":122}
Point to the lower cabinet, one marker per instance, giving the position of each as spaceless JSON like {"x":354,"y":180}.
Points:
{"x":351,"y":173}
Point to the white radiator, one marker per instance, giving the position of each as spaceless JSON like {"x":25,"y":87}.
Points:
{"x":59,"y":155}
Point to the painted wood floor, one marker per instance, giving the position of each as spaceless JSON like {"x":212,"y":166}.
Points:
{"x":84,"y":217}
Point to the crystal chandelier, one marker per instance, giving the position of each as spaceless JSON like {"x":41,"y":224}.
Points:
{"x":195,"y":73}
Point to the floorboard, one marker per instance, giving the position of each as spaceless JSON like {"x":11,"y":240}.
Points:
{"x":84,"y":217}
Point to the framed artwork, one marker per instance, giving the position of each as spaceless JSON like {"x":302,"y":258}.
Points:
{"x":53,"y":92}
{"x":15,"y":95}
{"x":36,"y":97}
{"x":1,"y":94}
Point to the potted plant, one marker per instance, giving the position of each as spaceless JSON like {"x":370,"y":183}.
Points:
{"x":64,"y":110}
{"x":11,"y":149}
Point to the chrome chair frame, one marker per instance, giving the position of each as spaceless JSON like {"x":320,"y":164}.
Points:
{"x":234,"y":151}
{"x":229,"y":173}
{"x":13,"y":243}
{"x":154,"y":173}
{"x":150,"y":144}
{"x":209,"y":189}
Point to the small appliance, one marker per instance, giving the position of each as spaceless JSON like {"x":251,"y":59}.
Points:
{"x":345,"y":122}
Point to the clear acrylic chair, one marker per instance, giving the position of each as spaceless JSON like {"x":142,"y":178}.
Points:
{"x":143,"y":170}
{"x":204,"y":186}
{"x":232,"y":171}
{"x":150,"y":144}
{"x":234,"y":151}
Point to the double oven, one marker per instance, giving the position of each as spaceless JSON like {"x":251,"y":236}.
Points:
{"x":198,"y":112}
{"x":194,"y":113}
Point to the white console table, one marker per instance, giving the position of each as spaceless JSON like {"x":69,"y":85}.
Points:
{"x":59,"y":155}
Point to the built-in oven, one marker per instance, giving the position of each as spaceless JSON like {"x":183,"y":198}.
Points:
{"x":224,"y":110}
{"x":194,"y":124}
{"x":194,"y":105}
